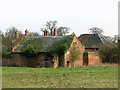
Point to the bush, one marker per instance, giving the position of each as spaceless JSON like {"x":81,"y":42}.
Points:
{"x":5,"y":51}
{"x":29,"y":51}
{"x":109,"y":53}
{"x":32,"y":47}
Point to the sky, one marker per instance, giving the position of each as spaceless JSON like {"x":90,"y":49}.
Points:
{"x":79,"y":15}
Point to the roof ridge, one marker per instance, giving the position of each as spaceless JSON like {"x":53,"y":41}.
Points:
{"x":104,"y":37}
{"x":100,"y":38}
{"x":15,"y":47}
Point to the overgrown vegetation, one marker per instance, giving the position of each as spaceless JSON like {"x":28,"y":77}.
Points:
{"x":109,"y":53}
{"x":74,"y":54}
{"x":59,"y":48}
{"x":8,"y":41}
{"x":32,"y":47}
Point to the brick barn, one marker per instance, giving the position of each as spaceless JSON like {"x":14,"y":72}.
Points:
{"x":45,"y":58}
{"x":51,"y":54}
{"x":92,"y":43}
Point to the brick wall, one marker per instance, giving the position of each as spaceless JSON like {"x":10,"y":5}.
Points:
{"x":6,"y":61}
{"x":19,"y":60}
{"x":79,"y":62}
{"x":93,"y":59}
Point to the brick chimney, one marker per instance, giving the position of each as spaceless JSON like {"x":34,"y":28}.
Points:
{"x":17,"y":34}
{"x":26,"y":32}
{"x":55,"y":32}
{"x":47,"y":33}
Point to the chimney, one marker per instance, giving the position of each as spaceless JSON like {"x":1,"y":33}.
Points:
{"x":55,"y":32}
{"x":47,"y":33}
{"x":26,"y":32}
{"x":17,"y":34}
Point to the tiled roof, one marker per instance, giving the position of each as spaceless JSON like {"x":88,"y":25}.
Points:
{"x":92,"y":40}
{"x":47,"y":41}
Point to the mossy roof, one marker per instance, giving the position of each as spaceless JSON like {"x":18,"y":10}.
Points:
{"x":47,"y":41}
{"x":92,"y":40}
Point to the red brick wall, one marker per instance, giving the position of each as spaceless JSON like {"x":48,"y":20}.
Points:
{"x":6,"y":61}
{"x":79,"y":62}
{"x":19,"y":60}
{"x":93,"y":59}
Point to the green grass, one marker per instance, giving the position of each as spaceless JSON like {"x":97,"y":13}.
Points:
{"x":81,"y":77}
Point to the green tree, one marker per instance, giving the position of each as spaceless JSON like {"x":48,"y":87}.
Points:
{"x":74,"y":54}
{"x":109,"y":53}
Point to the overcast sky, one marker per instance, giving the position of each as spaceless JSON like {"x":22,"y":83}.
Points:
{"x":79,"y":15}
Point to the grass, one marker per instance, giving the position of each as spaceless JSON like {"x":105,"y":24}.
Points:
{"x":80,"y":77}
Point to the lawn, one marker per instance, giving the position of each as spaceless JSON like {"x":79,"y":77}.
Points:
{"x":80,"y":77}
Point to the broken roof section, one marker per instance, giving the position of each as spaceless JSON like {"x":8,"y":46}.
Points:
{"x":47,"y":41}
{"x":92,"y":40}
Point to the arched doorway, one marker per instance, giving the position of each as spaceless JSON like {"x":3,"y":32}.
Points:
{"x":47,"y":63}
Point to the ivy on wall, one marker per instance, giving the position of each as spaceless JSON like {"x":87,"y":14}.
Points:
{"x":32,"y":47}
{"x":75,"y":54}
{"x":59,"y":48}
{"x":85,"y":53}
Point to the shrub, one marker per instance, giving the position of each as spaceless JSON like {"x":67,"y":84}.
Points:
{"x":109,"y":53}
{"x":29,"y":51}
{"x":5,"y":51}
{"x":32,"y":47}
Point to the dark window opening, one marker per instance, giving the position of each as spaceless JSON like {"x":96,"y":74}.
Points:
{"x":46,"y":60}
{"x":68,"y":63}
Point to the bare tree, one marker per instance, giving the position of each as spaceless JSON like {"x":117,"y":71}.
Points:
{"x":50,"y":25}
{"x":11,"y":33}
{"x":96,"y":30}
{"x":63,"y":31}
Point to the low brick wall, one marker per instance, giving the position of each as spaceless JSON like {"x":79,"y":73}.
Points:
{"x":22,"y":61}
{"x":93,"y":59}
